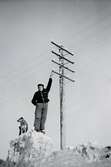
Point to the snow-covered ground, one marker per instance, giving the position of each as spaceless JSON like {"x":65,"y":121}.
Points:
{"x":31,"y":148}
{"x":69,"y":159}
{"x":34,"y":149}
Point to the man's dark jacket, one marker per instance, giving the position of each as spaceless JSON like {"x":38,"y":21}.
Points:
{"x":42,"y":96}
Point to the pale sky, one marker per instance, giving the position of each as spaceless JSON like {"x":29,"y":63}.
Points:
{"x":26,"y":30}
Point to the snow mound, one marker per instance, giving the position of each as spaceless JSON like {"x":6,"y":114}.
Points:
{"x":35,"y":149}
{"x":30,"y":148}
{"x":89,"y":152}
{"x":84,"y":155}
{"x":93,"y":153}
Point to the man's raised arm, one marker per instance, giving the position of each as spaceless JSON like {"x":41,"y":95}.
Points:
{"x":49,"y":83}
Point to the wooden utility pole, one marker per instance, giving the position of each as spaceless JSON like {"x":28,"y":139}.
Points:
{"x":61,"y":72}
{"x":61,"y":87}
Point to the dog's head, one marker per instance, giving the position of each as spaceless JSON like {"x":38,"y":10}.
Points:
{"x":20,"y":119}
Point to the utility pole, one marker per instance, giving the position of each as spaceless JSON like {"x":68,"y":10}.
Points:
{"x":61,"y":74}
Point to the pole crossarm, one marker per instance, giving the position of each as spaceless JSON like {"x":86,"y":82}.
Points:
{"x":62,"y":57}
{"x":63,"y":66}
{"x":63,"y":76}
{"x":62,"y":48}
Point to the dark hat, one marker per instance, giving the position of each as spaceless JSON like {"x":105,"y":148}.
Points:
{"x":40,"y":84}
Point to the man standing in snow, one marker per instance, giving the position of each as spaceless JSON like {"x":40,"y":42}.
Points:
{"x":40,"y":100}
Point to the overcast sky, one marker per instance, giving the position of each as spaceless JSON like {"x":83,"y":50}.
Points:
{"x":26,"y":30}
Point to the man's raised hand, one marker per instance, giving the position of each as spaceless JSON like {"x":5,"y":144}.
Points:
{"x":51,"y":74}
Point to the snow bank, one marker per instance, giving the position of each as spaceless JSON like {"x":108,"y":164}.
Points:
{"x":91,"y":152}
{"x":35,"y":149}
{"x":30,"y":148}
{"x":84,"y":155}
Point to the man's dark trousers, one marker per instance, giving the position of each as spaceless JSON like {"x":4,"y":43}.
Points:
{"x":40,"y":116}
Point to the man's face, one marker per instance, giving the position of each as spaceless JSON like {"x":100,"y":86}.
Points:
{"x":40,"y":88}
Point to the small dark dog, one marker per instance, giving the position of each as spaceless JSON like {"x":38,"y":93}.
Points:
{"x":23,"y":128}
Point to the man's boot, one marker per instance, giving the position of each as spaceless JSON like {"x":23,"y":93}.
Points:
{"x":43,"y":131}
